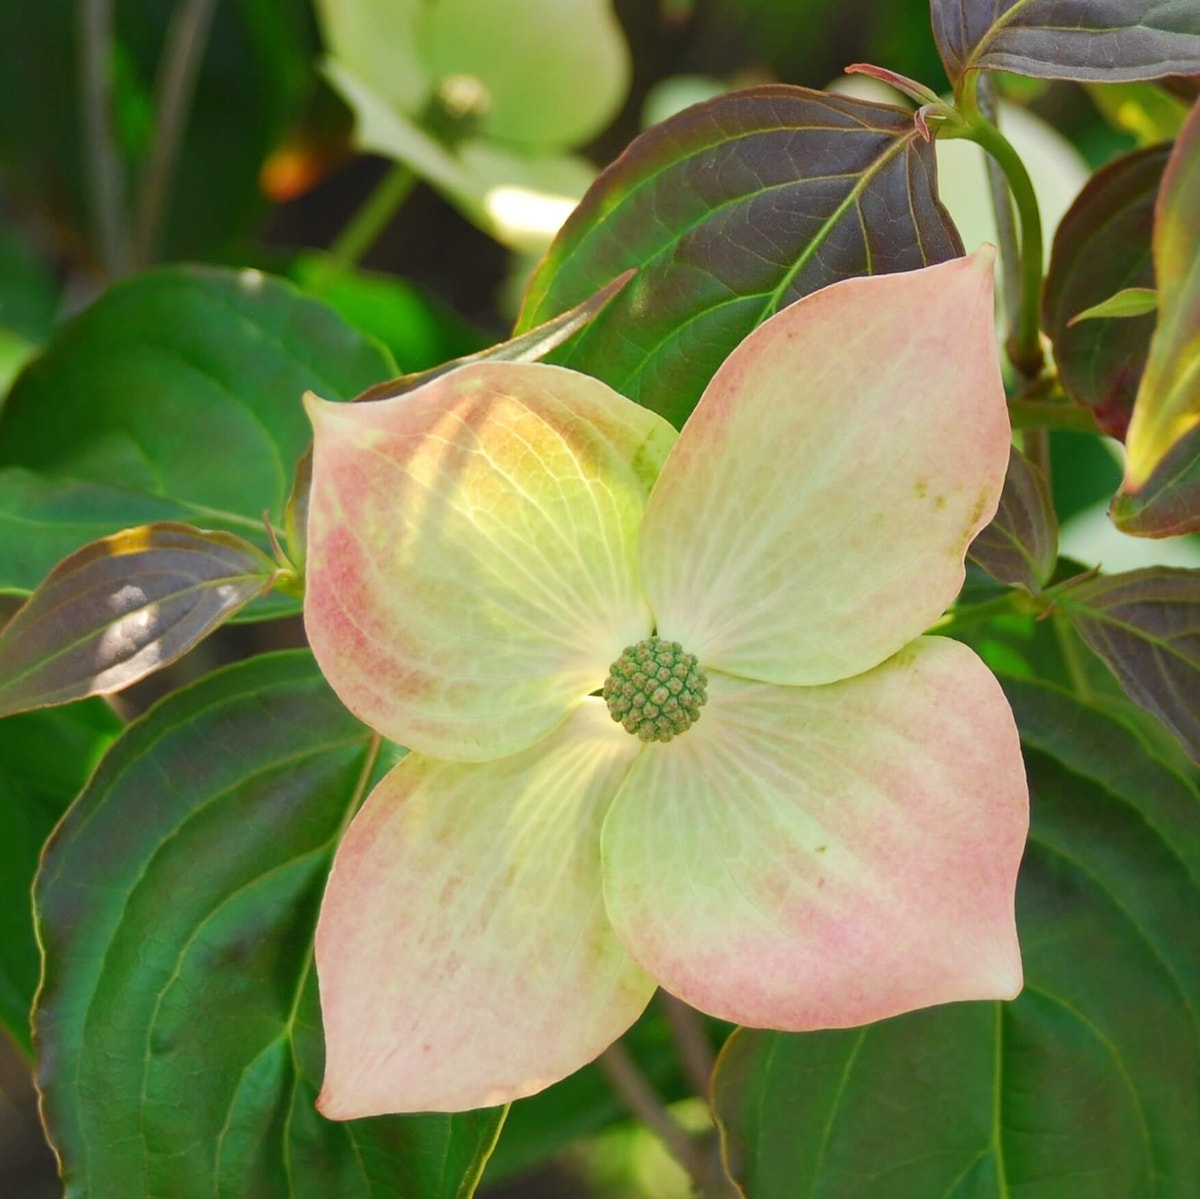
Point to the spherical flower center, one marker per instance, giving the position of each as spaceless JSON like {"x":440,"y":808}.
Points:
{"x":655,"y":690}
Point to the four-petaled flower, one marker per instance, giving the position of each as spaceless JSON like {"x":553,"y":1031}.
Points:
{"x":832,"y":834}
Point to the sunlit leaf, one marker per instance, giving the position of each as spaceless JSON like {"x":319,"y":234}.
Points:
{"x":121,"y":608}
{"x":1147,"y":110}
{"x":1085,"y":1085}
{"x":178,"y":1029}
{"x":1102,"y":246}
{"x":731,"y":210}
{"x":1110,"y":41}
{"x":1020,"y":546}
{"x":1168,"y":401}
{"x":1145,"y":624}
{"x":45,"y":758}
{"x":1129,"y":301}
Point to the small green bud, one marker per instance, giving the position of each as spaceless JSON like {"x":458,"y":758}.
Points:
{"x":654,"y":690}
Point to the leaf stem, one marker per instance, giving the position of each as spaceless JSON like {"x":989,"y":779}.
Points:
{"x":105,"y":169}
{"x":369,"y":222}
{"x":695,"y":1053}
{"x":640,"y":1098}
{"x":175,"y":85}
{"x":1002,"y":205}
{"x":1024,"y":343}
{"x":1005,"y":604}
{"x":1033,"y":414}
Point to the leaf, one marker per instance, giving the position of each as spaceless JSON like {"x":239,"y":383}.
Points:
{"x":1168,"y":401}
{"x":1168,"y":504}
{"x":1147,"y":110}
{"x":1103,"y":245}
{"x":1145,"y":624}
{"x":1085,"y":1085}
{"x":182,"y":386}
{"x":121,"y":608}
{"x":1129,"y":301}
{"x":178,"y":1028}
{"x":731,"y":210}
{"x":1020,"y":546}
{"x":1109,"y":42}
{"x":45,"y":758}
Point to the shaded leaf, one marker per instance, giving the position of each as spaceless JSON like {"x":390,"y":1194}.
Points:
{"x":1130,"y":301}
{"x":45,"y":758}
{"x":121,"y":608}
{"x":167,"y":910}
{"x":156,"y":386}
{"x":731,"y":210}
{"x":1168,"y":504}
{"x":1086,"y":1085}
{"x":1020,"y":546}
{"x":1168,"y":401}
{"x":1102,"y":246}
{"x":1109,"y":41}
{"x":1145,"y":624}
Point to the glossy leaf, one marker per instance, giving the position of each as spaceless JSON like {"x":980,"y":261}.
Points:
{"x":1085,"y":1085}
{"x":1102,"y":246}
{"x":121,"y":608}
{"x":178,"y":1031}
{"x":156,"y":385}
{"x":45,"y":758}
{"x":1129,"y":301}
{"x":1168,"y":401}
{"x":1020,"y":546}
{"x":731,"y":210}
{"x":1145,"y":624}
{"x":1168,"y":504}
{"x":1103,"y":41}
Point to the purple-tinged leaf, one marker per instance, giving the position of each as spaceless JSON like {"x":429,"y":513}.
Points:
{"x":1169,"y":502}
{"x":1145,"y":624}
{"x":731,"y":210}
{"x":1101,"y":41}
{"x":1102,"y":246}
{"x":121,"y":608}
{"x":1168,"y":401}
{"x":1020,"y":546}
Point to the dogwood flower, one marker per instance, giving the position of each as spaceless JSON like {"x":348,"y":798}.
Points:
{"x":817,"y":818}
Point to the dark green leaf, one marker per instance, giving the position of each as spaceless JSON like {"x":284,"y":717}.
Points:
{"x":418,"y":330}
{"x":184,"y":385}
{"x":1168,"y":503}
{"x":121,"y":608}
{"x":1145,"y":624}
{"x":1087,"y":1085}
{"x":1020,"y":546}
{"x":45,"y":758}
{"x":1102,"y":41}
{"x":178,"y":1029}
{"x":730,"y":211}
{"x":1102,"y":246}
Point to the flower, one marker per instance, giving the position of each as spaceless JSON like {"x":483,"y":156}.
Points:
{"x":835,"y":838}
{"x":483,"y":101}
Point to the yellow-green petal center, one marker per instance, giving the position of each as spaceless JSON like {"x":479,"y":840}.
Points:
{"x":655,"y":689}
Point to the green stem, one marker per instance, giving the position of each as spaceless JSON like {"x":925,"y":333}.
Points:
{"x":1025,"y":347}
{"x":1031,"y":414}
{"x":369,"y":222}
{"x":1035,"y":442}
{"x":1014,"y":600}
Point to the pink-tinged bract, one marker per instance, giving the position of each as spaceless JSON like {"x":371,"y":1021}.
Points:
{"x":471,"y":552}
{"x":814,"y":514}
{"x":818,"y":857}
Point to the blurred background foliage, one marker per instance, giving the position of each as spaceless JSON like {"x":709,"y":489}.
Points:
{"x":267,"y":176}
